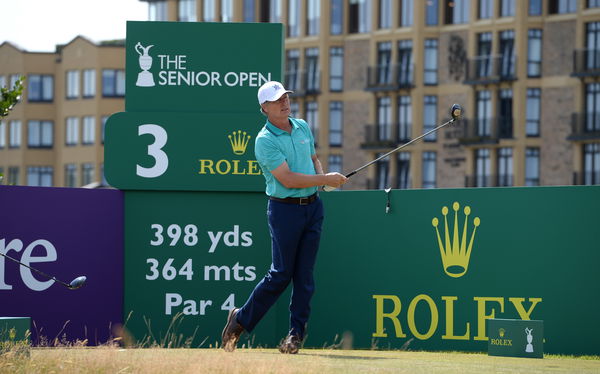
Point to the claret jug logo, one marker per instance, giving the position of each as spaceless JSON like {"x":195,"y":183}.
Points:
{"x":145,"y":78}
{"x":239,"y":141}
{"x":456,"y":253}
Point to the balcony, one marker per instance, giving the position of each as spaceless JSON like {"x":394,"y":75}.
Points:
{"x":585,"y":126}
{"x":386,"y":135}
{"x":491,"y":69}
{"x":393,"y":182}
{"x":303,"y":83}
{"x":390,"y":77}
{"x":586,"y":63}
{"x":587,"y":178}
{"x":486,"y":131}
{"x":496,"y":180}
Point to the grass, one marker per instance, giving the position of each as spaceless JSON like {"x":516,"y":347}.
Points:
{"x":107,"y":359}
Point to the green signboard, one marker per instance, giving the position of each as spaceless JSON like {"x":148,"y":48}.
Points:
{"x":183,"y":151}
{"x":199,"y":66}
{"x":515,"y":338}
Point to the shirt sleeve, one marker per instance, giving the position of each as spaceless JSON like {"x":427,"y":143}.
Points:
{"x":268,"y":154}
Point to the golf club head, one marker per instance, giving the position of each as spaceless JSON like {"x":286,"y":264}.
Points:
{"x":455,"y":111}
{"x":77,"y":282}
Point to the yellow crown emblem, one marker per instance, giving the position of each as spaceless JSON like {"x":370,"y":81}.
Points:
{"x":501,"y":332}
{"x":455,"y":255}
{"x":239,"y":141}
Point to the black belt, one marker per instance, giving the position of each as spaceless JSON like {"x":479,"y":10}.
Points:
{"x":297,"y":200}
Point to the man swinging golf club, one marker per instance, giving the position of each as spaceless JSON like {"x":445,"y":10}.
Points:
{"x":285,"y":151}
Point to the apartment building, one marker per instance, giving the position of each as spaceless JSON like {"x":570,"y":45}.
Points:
{"x":370,"y":75}
{"x":54,"y":136}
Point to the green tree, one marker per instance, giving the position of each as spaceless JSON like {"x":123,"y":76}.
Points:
{"x":9,"y":97}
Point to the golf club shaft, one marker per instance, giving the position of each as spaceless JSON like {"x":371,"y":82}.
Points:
{"x":34,"y":269}
{"x":329,"y":188}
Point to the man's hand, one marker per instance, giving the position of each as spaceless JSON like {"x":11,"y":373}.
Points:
{"x":335,"y":179}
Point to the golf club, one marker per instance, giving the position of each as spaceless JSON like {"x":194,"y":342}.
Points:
{"x":455,"y":113}
{"x":75,"y":283}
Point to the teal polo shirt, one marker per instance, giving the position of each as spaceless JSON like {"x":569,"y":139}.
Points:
{"x":273,"y":146}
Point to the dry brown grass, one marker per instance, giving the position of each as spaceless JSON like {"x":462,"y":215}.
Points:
{"x":317,"y":361}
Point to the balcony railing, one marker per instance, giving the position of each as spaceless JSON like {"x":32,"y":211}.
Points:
{"x":386,"y":135}
{"x":586,"y":178}
{"x":491,"y":69}
{"x":390,"y":77}
{"x":586,"y":62}
{"x":489,"y":130}
{"x":585,"y":126}
{"x":303,"y":83}
{"x":393,"y":182}
{"x":493,"y":180}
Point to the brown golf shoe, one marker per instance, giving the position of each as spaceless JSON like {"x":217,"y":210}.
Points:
{"x":291,"y":344}
{"x":231,"y":332}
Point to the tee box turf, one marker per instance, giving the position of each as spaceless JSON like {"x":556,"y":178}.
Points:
{"x":515,"y":338}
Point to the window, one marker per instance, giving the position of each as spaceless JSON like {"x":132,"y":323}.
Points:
{"x":336,"y":69}
{"x":292,"y":74}
{"x":13,"y":79}
{"x":41,"y":88}
{"x":533,"y":112}
{"x":294,"y":109}
{"x":334,"y":163}
{"x":313,"y":17}
{"x":532,"y":167}
{"x":429,"y":170}
{"x":293,"y":23}
{"x":87,"y":173}
{"x":406,"y":13}
{"x":335,"y":123}
{"x":89,"y":130}
{"x":592,"y":36}
{"x":226,"y":10}
{"x":186,"y":11}
{"x":403,"y":177}
{"x":507,"y":8}
{"x":534,"y":53}
{"x":485,"y":9}
{"x":70,"y":175}
{"x":72,"y":84}
{"x":113,"y":83}
{"x":384,"y":118}
{"x":505,"y":167}
{"x":382,"y":172}
{"x":249,"y":11}
{"x":14,"y":134}
{"x":507,"y":54}
{"x":157,"y":10}
{"x":40,"y":134}
{"x":336,"y":17}
{"x":103,"y":119}
{"x":483,"y":109}
{"x":592,"y":107}
{"x":72,"y":133}
{"x":39,"y":176}
{"x":482,"y":168}
{"x":505,"y":117}
{"x":208,"y":11}
{"x":562,"y":6}
{"x":359,"y":16}
{"x":270,"y":11}
{"x":535,"y":7}
{"x":593,"y":3}
{"x":405,"y":63}
{"x":457,"y":11}
{"x":13,"y":175}
{"x":431,"y":12}
{"x":404,"y":118}
{"x":384,"y":63}
{"x":591,"y":163}
{"x":312,"y":70}
{"x":430,"y":68}
{"x":429,"y":117}
{"x":484,"y":55}
{"x":2,"y":81}
{"x":89,"y":83}
{"x":2,"y":133}
{"x":385,"y":14}
{"x":312,"y":117}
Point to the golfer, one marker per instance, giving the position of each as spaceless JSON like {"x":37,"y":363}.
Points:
{"x":285,"y":151}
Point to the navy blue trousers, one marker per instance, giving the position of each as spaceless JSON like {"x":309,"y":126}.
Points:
{"x":295,"y":234}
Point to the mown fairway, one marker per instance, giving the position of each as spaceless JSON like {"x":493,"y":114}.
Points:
{"x":115,"y":360}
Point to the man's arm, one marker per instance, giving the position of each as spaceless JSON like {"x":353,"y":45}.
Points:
{"x":291,"y":179}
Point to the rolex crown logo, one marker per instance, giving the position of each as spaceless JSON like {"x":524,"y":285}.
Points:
{"x":501,"y":332}
{"x":239,"y":141}
{"x":456,"y":253}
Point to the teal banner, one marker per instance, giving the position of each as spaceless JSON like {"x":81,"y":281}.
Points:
{"x":183,"y":151}
{"x":515,"y":338}
{"x":200,"y":66}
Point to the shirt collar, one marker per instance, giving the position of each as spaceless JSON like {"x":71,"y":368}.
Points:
{"x":276,"y":130}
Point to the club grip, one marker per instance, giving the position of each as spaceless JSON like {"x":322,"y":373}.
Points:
{"x":328,"y":188}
